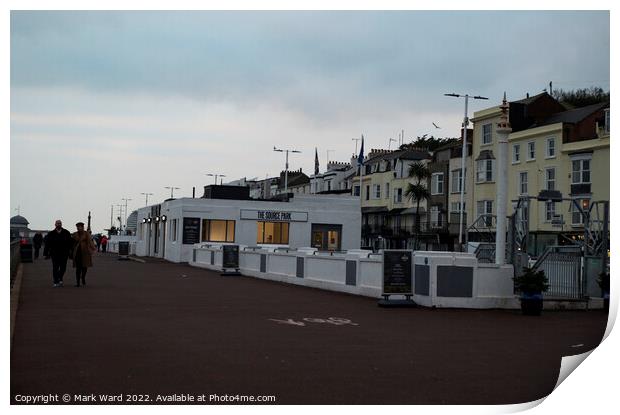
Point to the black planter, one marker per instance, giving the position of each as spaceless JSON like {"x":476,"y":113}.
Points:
{"x":531,"y":304}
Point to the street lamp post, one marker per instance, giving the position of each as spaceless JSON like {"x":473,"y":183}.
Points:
{"x":216,"y":176}
{"x":463,"y":158}
{"x":120,"y":218}
{"x":126,"y":200}
{"x":172,"y":188}
{"x":147,"y":198}
{"x":286,"y":165}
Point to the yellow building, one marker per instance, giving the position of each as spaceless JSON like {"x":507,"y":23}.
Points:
{"x":565,"y":151}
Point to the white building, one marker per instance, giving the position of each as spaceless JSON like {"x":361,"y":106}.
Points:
{"x":332,"y":180}
{"x":171,"y":229}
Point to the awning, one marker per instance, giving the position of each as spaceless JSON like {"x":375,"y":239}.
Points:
{"x":396,"y":211}
{"x":412,"y":211}
{"x":381,"y":209}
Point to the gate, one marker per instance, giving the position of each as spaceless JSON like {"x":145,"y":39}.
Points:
{"x":563,"y":267}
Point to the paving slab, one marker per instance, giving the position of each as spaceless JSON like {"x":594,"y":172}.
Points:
{"x":162,"y":328}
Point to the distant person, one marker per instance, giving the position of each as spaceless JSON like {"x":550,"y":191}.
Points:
{"x":104,"y":243}
{"x":98,"y":242}
{"x":82,"y":253}
{"x":58,"y":243}
{"x":37,"y":241}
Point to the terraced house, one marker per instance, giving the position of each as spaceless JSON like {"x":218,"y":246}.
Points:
{"x":556,"y":155}
{"x":388,"y":217}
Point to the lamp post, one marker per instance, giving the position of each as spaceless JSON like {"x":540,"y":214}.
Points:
{"x":286,"y":165}
{"x":327,"y":154}
{"x":120,"y":218}
{"x":146,"y":203}
{"x":172,"y":188}
{"x":216,"y":176}
{"x":126,"y":200}
{"x":463,"y":158}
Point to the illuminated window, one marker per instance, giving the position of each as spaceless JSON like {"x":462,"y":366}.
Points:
{"x":218,"y":230}
{"x":272,"y":233}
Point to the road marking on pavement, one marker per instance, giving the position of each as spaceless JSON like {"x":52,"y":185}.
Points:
{"x":337,"y":321}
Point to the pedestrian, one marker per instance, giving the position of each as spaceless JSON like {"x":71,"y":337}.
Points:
{"x":98,"y":242}
{"x":104,"y":243}
{"x":37,"y":240}
{"x":58,"y":243}
{"x":83,"y":249}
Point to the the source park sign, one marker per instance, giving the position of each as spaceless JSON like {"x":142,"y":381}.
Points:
{"x":274,"y":215}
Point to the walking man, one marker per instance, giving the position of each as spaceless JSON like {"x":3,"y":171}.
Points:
{"x":58,"y":243}
{"x":37,"y":240}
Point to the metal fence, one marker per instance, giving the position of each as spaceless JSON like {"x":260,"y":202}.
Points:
{"x":15,"y":260}
{"x":563,"y":267}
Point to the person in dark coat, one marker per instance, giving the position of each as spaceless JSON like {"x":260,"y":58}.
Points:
{"x":37,"y":241}
{"x":82,"y":253}
{"x":58,"y":243}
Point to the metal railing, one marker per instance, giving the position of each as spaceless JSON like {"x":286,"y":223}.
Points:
{"x":15,"y":260}
{"x":563,"y":267}
{"x":485,"y":252}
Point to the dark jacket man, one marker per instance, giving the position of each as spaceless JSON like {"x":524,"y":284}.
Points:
{"x":58,"y":243}
{"x":37,"y":241}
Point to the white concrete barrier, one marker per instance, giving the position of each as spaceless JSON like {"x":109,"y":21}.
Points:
{"x":450,"y":279}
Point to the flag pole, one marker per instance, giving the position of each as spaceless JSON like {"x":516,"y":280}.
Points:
{"x":360,"y":162}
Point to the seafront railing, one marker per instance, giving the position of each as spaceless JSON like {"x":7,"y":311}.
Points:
{"x":15,"y":260}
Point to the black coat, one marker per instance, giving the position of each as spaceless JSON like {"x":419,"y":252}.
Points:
{"x":57,"y":244}
{"x":37,"y":240}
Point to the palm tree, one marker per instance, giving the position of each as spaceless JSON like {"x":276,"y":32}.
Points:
{"x":416,"y":192}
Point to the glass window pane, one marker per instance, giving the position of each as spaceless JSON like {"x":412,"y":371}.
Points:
{"x":230,"y":231}
{"x":260,"y":231}
{"x":585,"y":176}
{"x":217,"y":232}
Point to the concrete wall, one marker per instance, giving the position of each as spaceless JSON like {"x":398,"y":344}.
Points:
{"x":115,"y":239}
{"x":360,"y":273}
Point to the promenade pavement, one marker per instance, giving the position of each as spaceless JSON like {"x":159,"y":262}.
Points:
{"x":162,"y":328}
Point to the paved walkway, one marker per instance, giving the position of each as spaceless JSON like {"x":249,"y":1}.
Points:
{"x":162,"y":328}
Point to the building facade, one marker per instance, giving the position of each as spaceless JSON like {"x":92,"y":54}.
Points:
{"x":171,"y":229}
{"x":551,"y":149}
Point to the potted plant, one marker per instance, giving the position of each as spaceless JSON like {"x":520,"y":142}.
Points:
{"x":531,"y":284}
{"x":603,"y":282}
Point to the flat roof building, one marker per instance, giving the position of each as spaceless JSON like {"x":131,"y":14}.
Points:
{"x":171,"y":229}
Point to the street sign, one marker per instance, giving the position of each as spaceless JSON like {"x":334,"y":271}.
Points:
{"x":230,"y":256}
{"x":191,"y":231}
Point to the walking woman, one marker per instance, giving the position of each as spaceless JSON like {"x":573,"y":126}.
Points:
{"x":82,"y":253}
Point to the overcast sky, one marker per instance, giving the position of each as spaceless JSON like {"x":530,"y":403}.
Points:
{"x":106,"y":105}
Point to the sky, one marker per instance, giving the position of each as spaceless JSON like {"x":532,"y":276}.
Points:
{"x":106,"y":105}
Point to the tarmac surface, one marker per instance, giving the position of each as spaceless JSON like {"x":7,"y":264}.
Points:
{"x":162,"y":328}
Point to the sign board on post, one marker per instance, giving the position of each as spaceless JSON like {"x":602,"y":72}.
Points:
{"x":397,"y":277}
{"x":191,"y":231}
{"x":123,"y":250}
{"x":230,"y":259}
